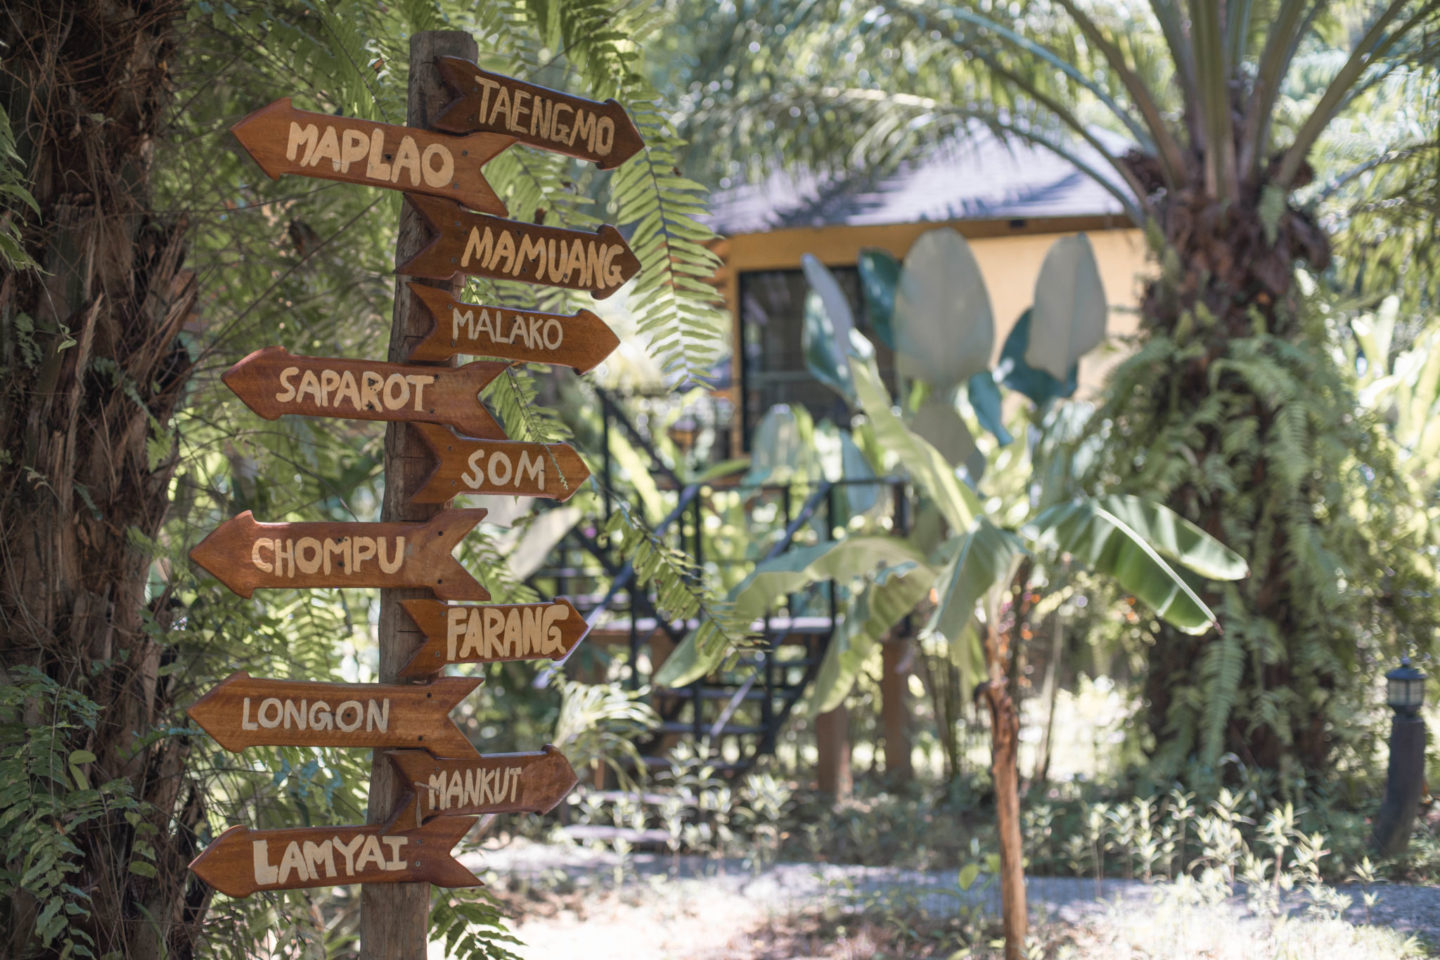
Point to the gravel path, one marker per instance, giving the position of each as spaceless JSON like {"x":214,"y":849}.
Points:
{"x":730,"y":890}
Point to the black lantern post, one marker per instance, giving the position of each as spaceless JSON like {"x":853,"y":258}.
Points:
{"x":1405,"y":692}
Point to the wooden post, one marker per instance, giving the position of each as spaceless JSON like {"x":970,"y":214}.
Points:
{"x":395,"y":918}
{"x":1004,"y":747}
{"x":832,"y":739}
{"x":895,"y":710}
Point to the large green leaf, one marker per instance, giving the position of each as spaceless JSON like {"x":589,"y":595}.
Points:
{"x":877,"y":607}
{"x":944,"y":328}
{"x":829,"y":334}
{"x":774,"y":579}
{"x":1102,"y":541}
{"x":988,"y":405}
{"x":879,"y":278}
{"x":1068,"y":318}
{"x":823,"y":356}
{"x":1176,"y":538}
{"x":939,"y":422}
{"x":930,"y":471}
{"x":854,"y":499}
{"x":782,"y":446}
{"x":1017,"y":374}
{"x":985,"y":557}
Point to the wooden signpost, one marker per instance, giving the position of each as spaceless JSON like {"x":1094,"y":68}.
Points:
{"x":242,"y":861}
{"x":245,"y":554}
{"x":558,"y":122}
{"x":285,"y":140}
{"x":272,"y":382}
{"x":425,"y":796}
{"x":491,"y":633}
{"x":498,"y":783}
{"x":245,"y":711}
{"x":550,"y":470}
{"x":483,"y":246}
{"x":580,"y":341}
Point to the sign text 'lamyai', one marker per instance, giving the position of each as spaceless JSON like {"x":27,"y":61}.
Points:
{"x":483,"y":246}
{"x":492,"y":632}
{"x":245,"y":711}
{"x":242,"y":861}
{"x":244,"y":554}
{"x":495,"y":783}
{"x":272,"y":382}
{"x":579,"y":341}
{"x":553,"y":471}
{"x":285,"y":140}
{"x":559,"y":122}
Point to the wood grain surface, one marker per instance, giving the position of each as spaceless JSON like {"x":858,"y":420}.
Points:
{"x":560,"y":122}
{"x":245,"y":555}
{"x":273,"y":382}
{"x":242,"y":861}
{"x":491,"y":633}
{"x":553,"y":471}
{"x":482,"y":246}
{"x":486,"y":783}
{"x":580,"y":340}
{"x":283,"y":140}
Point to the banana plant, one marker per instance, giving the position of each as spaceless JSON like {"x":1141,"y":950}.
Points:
{"x":993,"y":554}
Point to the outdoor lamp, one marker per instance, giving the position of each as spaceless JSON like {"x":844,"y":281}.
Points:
{"x":1406,"y":689}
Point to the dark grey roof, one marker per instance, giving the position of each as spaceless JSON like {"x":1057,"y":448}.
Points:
{"x":976,"y":177}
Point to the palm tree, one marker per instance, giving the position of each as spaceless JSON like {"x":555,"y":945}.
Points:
{"x":1245,"y":424}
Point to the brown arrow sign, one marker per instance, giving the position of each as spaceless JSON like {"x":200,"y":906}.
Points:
{"x":518,"y":468}
{"x":245,"y":554}
{"x":483,"y":246}
{"x":580,"y":341}
{"x":285,"y":140}
{"x":242,"y":861}
{"x":245,"y":711}
{"x":599,"y":132}
{"x":497,"y":783}
{"x":491,"y":633}
{"x":272,"y":381}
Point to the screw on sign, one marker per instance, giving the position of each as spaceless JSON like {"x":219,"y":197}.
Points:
{"x":491,"y":633}
{"x":519,"y":468}
{"x":245,"y":555}
{"x":273,"y":382}
{"x":481,"y":246}
{"x":579,"y":341}
{"x":283,"y":140}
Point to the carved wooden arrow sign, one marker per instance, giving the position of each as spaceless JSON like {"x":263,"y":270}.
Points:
{"x":498,"y":783}
{"x":519,"y":468}
{"x":272,"y":381}
{"x":483,"y":246}
{"x":245,"y":711}
{"x":560,"y":122}
{"x":242,"y":861}
{"x":285,"y":140}
{"x":491,"y":633}
{"x":580,"y":341}
{"x":245,"y":554}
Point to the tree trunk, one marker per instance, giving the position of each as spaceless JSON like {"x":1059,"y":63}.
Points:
{"x":1004,"y":744}
{"x":92,"y":373}
{"x":895,"y":710}
{"x":832,"y":739}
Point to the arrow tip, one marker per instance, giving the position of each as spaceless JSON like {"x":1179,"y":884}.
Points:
{"x":222,"y":869}
{"x":218,"y":551}
{"x":628,"y":141}
{"x":251,"y":132}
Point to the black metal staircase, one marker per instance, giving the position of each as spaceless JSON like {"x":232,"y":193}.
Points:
{"x":735,"y":715}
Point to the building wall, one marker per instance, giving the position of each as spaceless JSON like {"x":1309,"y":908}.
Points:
{"x":1009,"y":254}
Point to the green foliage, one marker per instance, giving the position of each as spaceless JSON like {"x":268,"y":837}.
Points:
{"x":1316,"y":502}
{"x":46,"y":793}
{"x":13,"y":194}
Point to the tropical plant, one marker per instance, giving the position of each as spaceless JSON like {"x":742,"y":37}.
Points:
{"x":986,"y":569}
{"x":1256,"y":138}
